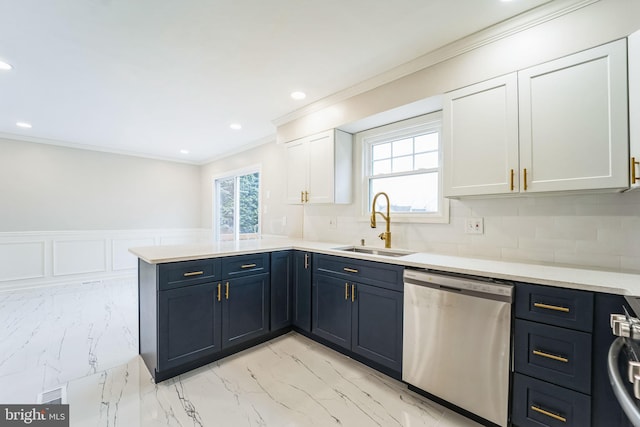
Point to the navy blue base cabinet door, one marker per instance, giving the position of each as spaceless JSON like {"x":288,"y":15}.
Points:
{"x":281,"y":289}
{"x":377,"y":325}
{"x":188,"y":324}
{"x":332,"y":310}
{"x":302,"y":290}
{"x":245,"y":313}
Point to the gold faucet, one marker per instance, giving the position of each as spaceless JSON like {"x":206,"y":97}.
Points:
{"x":386,"y":236}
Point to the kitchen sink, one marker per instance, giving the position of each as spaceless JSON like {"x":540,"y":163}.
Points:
{"x":375,"y":251}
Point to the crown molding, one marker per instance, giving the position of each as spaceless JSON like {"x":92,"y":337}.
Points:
{"x":526,"y":20}
{"x":256,"y":143}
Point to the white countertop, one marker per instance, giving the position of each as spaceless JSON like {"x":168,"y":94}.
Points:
{"x":565,"y":277}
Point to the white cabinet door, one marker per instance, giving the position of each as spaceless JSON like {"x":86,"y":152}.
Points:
{"x":297,"y":160}
{"x":321,"y":168}
{"x":573,"y":122}
{"x":480,"y":132}
{"x":634,"y":107}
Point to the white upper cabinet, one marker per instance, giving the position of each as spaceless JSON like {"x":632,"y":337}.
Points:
{"x":634,"y":108}
{"x":573,"y":121}
{"x":319,"y":168}
{"x":480,"y":128}
{"x":558,"y":126}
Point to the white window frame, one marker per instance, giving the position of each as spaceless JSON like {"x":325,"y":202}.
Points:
{"x":403,"y":129}
{"x":235,"y":174}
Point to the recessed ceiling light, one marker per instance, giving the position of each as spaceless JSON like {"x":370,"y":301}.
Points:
{"x":184,"y":151}
{"x":5,"y":66}
{"x":298,"y":95}
{"x":24,"y":125}
{"x":235,"y":126}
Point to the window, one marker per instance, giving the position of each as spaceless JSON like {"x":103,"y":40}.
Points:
{"x":237,"y":206}
{"x":404,"y":160}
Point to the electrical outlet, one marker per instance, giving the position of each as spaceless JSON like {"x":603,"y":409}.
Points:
{"x":333,"y":222}
{"x":474,"y":226}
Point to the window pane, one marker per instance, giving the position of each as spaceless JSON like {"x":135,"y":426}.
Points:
{"x":403,"y":164}
{"x":403,"y":147}
{"x":428,"y":142}
{"x":414,"y":193}
{"x":427,"y":160}
{"x":226,"y":208}
{"x":249,"y":206}
{"x":381,"y":151}
{"x":381,"y":166}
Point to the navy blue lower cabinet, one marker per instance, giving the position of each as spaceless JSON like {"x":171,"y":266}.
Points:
{"x":245,"y":312}
{"x":302,"y":290}
{"x":377,"y":325}
{"x":540,"y":404}
{"x":188,"y":324}
{"x":281,"y":289}
{"x":332,"y":310}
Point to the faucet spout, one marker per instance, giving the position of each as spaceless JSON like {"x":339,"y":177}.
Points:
{"x":386,"y":236}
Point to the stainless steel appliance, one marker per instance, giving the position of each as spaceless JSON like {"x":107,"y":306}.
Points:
{"x":457,"y":335}
{"x":625,"y":352}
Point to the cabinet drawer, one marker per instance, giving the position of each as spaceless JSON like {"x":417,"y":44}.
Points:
{"x":560,"y":356}
{"x":185,"y":273}
{"x":538,"y":404}
{"x":560,"y":307}
{"x":244,"y":265}
{"x":373,"y":273}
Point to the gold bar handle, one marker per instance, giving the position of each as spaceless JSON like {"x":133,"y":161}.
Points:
{"x":350,"y":270}
{"x":551,"y":307}
{"x":306,"y":197}
{"x":302,"y":197}
{"x":247,"y":266}
{"x":525,"y":179}
{"x":219,"y":294}
{"x":306,"y":261}
{"x":346,"y":291}
{"x":550,"y":356}
{"x":226,"y":292}
{"x":353,"y":293}
{"x":548,"y":414}
{"x":193,"y":273}
{"x":634,"y":176}
{"x":512,"y":186}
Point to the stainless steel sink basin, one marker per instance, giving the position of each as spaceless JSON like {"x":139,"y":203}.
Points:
{"x":375,"y":251}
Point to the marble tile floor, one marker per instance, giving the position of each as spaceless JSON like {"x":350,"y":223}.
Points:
{"x":85,"y":337}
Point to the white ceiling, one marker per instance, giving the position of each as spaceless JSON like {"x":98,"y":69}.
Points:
{"x":152,"y":77}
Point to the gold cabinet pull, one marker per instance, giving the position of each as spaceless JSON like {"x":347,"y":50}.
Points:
{"x":193,"y":273}
{"x":353,"y":293}
{"x":346,"y":291}
{"x":306,"y":261}
{"x":247,"y":266}
{"x":634,"y":176}
{"x":350,"y":270}
{"x":548,"y":414}
{"x":226,"y":292}
{"x":551,"y":307}
{"x":306,"y":197}
{"x":219,"y":295}
{"x":550,"y":356}
{"x":512,"y":186}
{"x":302,"y":197}
{"x":525,"y":179}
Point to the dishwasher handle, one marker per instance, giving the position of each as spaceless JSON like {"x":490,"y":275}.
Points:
{"x":475,"y":286}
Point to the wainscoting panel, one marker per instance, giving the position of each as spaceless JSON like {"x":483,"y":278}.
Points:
{"x":79,"y":256}
{"x":34,"y":259}
{"x":22,"y":260}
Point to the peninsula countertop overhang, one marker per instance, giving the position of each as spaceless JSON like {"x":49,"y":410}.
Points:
{"x":552,"y":275}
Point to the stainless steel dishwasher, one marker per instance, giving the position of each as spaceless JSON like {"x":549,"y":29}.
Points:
{"x":457,"y":340}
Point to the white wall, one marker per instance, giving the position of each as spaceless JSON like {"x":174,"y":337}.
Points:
{"x":48,"y":188}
